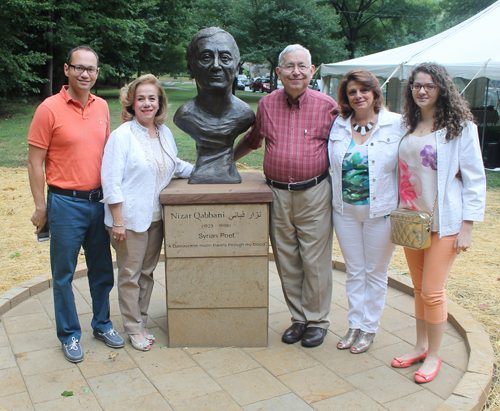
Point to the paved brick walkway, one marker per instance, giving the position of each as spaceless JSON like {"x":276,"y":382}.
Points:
{"x":34,"y":373}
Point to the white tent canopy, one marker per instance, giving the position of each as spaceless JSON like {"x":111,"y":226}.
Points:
{"x":469,"y":50}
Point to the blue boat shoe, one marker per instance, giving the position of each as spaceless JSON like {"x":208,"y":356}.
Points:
{"x":111,"y":338}
{"x":73,"y":350}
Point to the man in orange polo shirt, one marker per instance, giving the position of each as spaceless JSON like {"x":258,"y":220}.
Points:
{"x":68,"y":133}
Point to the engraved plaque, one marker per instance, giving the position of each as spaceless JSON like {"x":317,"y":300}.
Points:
{"x":216,"y":230}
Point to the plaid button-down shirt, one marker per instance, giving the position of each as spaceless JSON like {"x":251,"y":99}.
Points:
{"x":296,"y":134}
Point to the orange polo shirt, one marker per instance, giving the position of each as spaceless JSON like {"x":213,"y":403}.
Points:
{"x":74,"y":138}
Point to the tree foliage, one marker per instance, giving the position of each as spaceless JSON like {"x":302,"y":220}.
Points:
{"x":19,"y":20}
{"x":369,"y":26}
{"x":138,"y":36}
{"x":130,"y":36}
{"x":456,"y":11}
{"x":263,"y":28}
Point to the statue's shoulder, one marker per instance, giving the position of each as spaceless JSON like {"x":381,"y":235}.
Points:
{"x":243,"y":107}
{"x":185,"y":109}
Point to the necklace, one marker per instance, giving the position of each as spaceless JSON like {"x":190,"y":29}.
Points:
{"x":161,"y":167}
{"x":363,"y":129}
{"x":426,"y":125}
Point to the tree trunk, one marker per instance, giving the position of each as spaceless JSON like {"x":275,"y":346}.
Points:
{"x":48,"y":87}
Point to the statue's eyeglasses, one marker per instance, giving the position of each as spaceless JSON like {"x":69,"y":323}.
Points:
{"x":80,"y":69}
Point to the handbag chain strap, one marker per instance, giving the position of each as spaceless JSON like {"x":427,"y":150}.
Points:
{"x":435,"y":199}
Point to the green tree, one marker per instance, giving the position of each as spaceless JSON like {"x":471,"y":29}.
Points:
{"x":168,"y":29}
{"x":369,"y":26}
{"x":19,"y":20}
{"x":456,"y":11}
{"x":130,"y":36}
{"x":105,"y":26}
{"x":212,"y":13}
{"x":263,"y":28}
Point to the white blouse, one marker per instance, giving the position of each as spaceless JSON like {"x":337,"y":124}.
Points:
{"x":130,"y":167}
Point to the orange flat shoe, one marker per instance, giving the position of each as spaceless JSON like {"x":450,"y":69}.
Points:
{"x":398,"y":362}
{"x":423,"y":378}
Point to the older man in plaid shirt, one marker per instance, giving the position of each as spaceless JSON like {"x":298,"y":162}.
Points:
{"x":295,"y":123}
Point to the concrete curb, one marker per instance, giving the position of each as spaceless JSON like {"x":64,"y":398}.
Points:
{"x":471,"y":392}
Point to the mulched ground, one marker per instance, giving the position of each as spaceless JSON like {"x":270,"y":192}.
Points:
{"x":474,"y":281}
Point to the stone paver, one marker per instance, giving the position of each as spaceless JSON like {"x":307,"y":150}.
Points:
{"x":34,"y":373}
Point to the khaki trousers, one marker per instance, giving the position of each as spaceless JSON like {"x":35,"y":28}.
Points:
{"x":301,"y":234}
{"x":137,"y":257}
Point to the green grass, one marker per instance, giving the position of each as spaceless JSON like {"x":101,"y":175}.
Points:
{"x":186,"y":86}
{"x":493,"y":179}
{"x":14,"y":128}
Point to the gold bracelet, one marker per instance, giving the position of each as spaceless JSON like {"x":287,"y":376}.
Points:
{"x":118,"y":225}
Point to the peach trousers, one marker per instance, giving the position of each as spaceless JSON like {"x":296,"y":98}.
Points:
{"x":429,"y":269}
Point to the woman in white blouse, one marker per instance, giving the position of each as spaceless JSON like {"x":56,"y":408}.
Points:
{"x":139,"y":161}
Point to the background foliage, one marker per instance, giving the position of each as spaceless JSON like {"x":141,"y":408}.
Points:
{"x":138,"y":36}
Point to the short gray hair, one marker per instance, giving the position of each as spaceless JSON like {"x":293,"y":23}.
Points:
{"x":290,"y":49}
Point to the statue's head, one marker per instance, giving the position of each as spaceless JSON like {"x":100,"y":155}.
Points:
{"x":213,"y":59}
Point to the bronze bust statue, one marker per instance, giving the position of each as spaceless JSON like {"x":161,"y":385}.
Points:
{"x":215,"y":117}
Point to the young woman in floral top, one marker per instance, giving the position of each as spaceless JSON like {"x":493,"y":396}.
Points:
{"x":440,"y":169}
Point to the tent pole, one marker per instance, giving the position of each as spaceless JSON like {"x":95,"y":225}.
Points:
{"x":484,"y":116}
{"x":401,"y":88}
{"x":475,"y":75}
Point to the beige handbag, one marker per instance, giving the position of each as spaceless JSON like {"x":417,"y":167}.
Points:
{"x":411,"y":228}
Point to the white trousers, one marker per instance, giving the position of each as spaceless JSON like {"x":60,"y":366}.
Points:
{"x":367,"y":252}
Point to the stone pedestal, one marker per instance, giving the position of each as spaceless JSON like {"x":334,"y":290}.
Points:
{"x":216,"y":262}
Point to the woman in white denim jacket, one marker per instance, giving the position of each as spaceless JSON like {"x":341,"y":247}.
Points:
{"x":139,"y":161}
{"x":362,"y":150}
{"x":440,"y":169}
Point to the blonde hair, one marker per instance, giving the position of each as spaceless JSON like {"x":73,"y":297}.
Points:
{"x":127,"y":97}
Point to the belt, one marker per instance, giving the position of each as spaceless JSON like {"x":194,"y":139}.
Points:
{"x":92,"y":195}
{"x":301,"y":185}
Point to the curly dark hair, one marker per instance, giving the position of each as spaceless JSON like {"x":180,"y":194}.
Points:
{"x":368,"y":80}
{"x":452,"y":110}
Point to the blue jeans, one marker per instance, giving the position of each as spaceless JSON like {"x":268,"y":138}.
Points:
{"x":75,"y":222}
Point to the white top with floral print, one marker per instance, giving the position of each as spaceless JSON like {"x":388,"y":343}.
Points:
{"x":418,"y":174}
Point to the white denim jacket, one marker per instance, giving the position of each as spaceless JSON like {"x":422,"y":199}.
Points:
{"x":382,"y":159}
{"x":126,"y":177}
{"x":459,"y":200}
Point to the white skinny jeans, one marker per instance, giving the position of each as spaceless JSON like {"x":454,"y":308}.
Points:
{"x":367,"y":250}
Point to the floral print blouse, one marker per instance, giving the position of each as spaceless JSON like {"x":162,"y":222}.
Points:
{"x":355,"y":175}
{"x":418,"y":174}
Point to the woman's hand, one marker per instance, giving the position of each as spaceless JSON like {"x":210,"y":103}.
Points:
{"x":118,"y":233}
{"x":464,"y":237}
